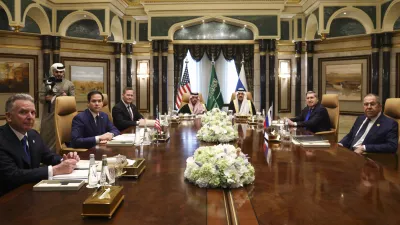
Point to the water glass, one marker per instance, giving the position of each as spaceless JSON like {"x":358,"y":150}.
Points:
{"x":285,"y":137}
{"x":111,"y":175}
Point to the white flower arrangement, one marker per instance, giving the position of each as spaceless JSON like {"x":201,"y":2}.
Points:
{"x":219,"y":166}
{"x":217,"y":127}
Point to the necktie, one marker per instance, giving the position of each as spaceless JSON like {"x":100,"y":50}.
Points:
{"x":130,"y":112}
{"x":25,"y":146}
{"x":360,"y":133}
{"x":308,"y":115}
{"x":97,"y":120}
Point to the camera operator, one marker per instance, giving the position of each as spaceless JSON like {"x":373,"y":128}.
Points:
{"x":55,"y":85}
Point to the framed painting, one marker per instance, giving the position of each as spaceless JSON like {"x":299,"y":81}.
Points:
{"x":18,"y":74}
{"x":348,"y":77}
{"x":87,"y":74}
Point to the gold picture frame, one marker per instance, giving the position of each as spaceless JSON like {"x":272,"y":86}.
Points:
{"x":87,"y":74}
{"x":18,"y":74}
{"x":349,"y":77}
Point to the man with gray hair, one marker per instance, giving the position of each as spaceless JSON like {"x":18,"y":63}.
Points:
{"x":22,"y":149}
{"x":373,"y":131}
{"x":54,"y":86}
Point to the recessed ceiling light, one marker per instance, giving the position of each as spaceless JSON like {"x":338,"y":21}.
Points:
{"x":181,"y":26}
{"x":202,"y":21}
{"x":344,"y":13}
{"x":245,"y":25}
{"x":84,"y":16}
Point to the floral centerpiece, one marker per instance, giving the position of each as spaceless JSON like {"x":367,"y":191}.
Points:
{"x":216,"y":127}
{"x":219,"y":166}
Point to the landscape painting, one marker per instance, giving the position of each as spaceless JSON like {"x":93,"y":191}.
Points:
{"x":87,"y":78}
{"x":345,"y":80}
{"x":14,"y":77}
{"x":18,"y":74}
{"x":87,"y":74}
{"x":347,"y":76}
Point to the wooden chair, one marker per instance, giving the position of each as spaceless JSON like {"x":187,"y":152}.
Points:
{"x":392,"y":110}
{"x":106,"y":108}
{"x":331,"y":103}
{"x":65,"y":111}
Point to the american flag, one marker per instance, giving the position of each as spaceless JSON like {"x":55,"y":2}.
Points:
{"x":184,"y":87}
{"x":157,"y":124}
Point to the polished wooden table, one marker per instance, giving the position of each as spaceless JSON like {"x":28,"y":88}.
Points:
{"x":293,"y":186}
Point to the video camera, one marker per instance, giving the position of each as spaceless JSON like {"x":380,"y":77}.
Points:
{"x":49,"y":85}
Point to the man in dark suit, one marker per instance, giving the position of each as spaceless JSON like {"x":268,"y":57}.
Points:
{"x":124,"y":113}
{"x":373,"y":131}
{"x":92,"y":126}
{"x":314,"y":116}
{"x":22,"y":149}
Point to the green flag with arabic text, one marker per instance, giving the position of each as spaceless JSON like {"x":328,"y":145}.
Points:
{"x":215,"y":99}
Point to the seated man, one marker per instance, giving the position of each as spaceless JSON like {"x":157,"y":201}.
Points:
{"x":194,"y":106}
{"x":124,"y":113}
{"x":22,"y":149}
{"x":241,"y":104}
{"x":92,"y":126}
{"x":314,"y":116}
{"x":373,"y":131}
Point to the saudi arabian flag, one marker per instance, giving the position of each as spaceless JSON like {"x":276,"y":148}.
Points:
{"x":215,"y":99}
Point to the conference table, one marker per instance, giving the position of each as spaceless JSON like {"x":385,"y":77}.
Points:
{"x":293,"y":185}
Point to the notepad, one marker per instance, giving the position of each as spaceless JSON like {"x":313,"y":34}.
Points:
{"x":84,"y":164}
{"x":75,"y":175}
{"x":312,"y":144}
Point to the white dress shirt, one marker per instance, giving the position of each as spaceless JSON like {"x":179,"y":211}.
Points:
{"x":20,"y":136}
{"x":370,"y":124}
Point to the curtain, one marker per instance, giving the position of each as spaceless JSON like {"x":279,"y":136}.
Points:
{"x":179,"y":54}
{"x":237,"y":53}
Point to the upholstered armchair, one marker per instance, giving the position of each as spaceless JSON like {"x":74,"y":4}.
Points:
{"x":65,"y":111}
{"x":331,"y":103}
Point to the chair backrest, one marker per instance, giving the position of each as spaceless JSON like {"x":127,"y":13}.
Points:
{"x":65,"y":111}
{"x":331,"y":103}
{"x":186,"y":96}
{"x":106,"y":108}
{"x":248,"y":95}
{"x":392,"y":109}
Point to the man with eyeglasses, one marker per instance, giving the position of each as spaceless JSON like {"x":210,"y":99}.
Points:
{"x":373,"y":131}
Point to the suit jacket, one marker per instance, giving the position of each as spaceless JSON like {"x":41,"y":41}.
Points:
{"x":121,"y":117}
{"x":84,"y":129}
{"x":382,"y":137}
{"x":232,"y":107}
{"x":318,"y":120}
{"x":15,"y":168}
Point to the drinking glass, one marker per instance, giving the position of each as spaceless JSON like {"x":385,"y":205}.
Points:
{"x":285,"y":137}
{"x":111,"y":175}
